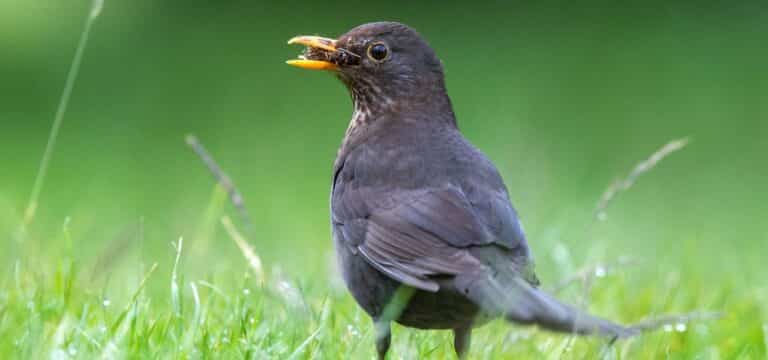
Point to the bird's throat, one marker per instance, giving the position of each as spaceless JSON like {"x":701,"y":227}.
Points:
{"x":372,"y":104}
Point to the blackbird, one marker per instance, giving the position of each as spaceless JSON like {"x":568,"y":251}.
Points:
{"x":423,"y":227}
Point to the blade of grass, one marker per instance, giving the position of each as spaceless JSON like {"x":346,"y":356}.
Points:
{"x":324,"y":323}
{"x":398,"y":302}
{"x":190,"y":334}
{"x":175,"y":296}
{"x":765,"y":337}
{"x":300,"y":349}
{"x":208,"y":223}
{"x":215,"y":290}
{"x":589,"y":273}
{"x":58,"y":119}
{"x":222,"y":178}
{"x":135,"y":296}
{"x":253,"y":260}
{"x":676,"y":320}
{"x":641,"y":168}
{"x":117,"y":331}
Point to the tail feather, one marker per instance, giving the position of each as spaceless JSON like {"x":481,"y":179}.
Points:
{"x":520,"y":302}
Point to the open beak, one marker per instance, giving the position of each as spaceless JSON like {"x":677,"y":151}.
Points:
{"x":318,"y":54}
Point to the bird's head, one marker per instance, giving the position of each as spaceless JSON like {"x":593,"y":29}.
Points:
{"x":382,"y":64}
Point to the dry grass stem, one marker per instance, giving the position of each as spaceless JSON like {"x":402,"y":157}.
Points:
{"x":588,"y":274}
{"x":253,"y":259}
{"x":221,"y":177}
{"x":115,"y":250}
{"x":676,"y":322}
{"x":643,"y":167}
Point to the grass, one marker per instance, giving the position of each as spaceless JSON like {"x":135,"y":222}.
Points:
{"x":191,"y":301}
{"x":74,"y":69}
{"x":50,"y":308}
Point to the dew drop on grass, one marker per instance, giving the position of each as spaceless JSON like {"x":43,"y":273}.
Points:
{"x":106,"y":303}
{"x":246,"y":291}
{"x":600,"y":271}
{"x":71,"y":350}
{"x":289,"y":293}
{"x":681,"y":327}
{"x":352,"y":331}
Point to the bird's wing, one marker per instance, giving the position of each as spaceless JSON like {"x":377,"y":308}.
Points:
{"x":419,"y":237}
{"x":416,"y":236}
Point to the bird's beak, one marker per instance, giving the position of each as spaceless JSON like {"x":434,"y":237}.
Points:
{"x":318,"y":54}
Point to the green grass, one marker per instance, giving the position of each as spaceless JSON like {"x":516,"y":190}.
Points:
{"x":186,"y":305}
{"x":49,"y":309}
{"x":61,"y":308}
{"x":119,"y":306}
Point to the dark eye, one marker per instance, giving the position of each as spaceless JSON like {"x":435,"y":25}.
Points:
{"x":378,"y":52}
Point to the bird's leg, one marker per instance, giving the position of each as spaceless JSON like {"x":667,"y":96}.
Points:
{"x":462,"y":338}
{"x":383,"y":337}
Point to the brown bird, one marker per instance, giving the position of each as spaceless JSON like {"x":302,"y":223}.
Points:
{"x":423,"y":226}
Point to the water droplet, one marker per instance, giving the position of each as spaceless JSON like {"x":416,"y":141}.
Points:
{"x":600,"y":271}
{"x":106,"y":303}
{"x":352,"y":331}
{"x":681,"y":327}
{"x":289,"y":293}
{"x":246,"y":291}
{"x":71,"y":350}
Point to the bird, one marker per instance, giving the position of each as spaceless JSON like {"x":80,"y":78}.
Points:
{"x":423,"y":227}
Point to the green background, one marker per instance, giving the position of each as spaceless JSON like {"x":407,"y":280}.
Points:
{"x":563,"y":97}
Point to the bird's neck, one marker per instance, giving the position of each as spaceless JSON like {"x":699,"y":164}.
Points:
{"x":372,"y":104}
{"x":376,"y":116}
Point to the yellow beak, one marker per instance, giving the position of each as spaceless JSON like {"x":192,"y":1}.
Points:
{"x":314,"y":43}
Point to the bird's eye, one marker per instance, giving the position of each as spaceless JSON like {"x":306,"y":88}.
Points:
{"x":378,"y":52}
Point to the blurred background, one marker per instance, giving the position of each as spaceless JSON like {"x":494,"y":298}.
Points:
{"x":563,"y":97}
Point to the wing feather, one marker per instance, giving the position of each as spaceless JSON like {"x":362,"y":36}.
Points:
{"x":426,"y":236}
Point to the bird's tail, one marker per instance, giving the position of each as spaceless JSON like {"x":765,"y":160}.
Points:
{"x":520,"y":302}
